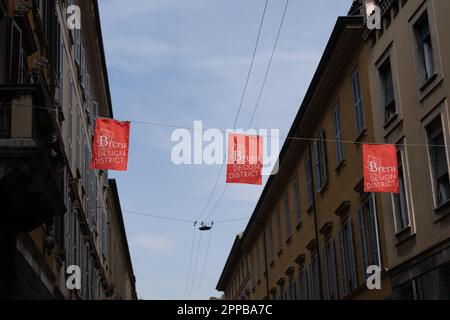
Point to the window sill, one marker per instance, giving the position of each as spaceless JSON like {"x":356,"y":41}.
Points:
{"x":360,"y":136}
{"x":340,"y":165}
{"x":323,"y":188}
{"x":428,"y":82}
{"x":309,"y":210}
{"x":404,"y":235}
{"x":299,"y":225}
{"x":280,"y":252}
{"x":272,"y":263}
{"x":393,"y":126}
{"x":390,"y":121}
{"x":442,"y":210}
{"x":289,"y":239}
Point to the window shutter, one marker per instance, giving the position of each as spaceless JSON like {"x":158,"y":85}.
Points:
{"x":352,"y":255}
{"x":324,"y":160}
{"x":311,"y":282}
{"x":83,"y":67}
{"x":362,"y":235}
{"x":305,"y":284}
{"x":317,"y":164}
{"x":15,"y":54}
{"x":342,"y":260}
{"x":326,"y":273}
{"x":333,"y":270}
{"x":374,"y":231}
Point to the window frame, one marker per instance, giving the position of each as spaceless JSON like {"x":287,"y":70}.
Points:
{"x":357,"y":101}
{"x":338,"y":132}
{"x":369,"y":234}
{"x":433,"y":179}
{"x":404,"y":172}
{"x":309,"y":180}
{"x":383,"y":82}
{"x":422,"y":63}
{"x":320,"y":161}
{"x":287,"y":215}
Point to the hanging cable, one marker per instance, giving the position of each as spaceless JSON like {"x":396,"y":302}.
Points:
{"x":190,"y":262}
{"x":191,"y":286}
{"x":157,"y":216}
{"x":269,"y":65}
{"x":298,"y":138}
{"x":240,"y":103}
{"x":205,"y":262}
{"x":280,"y":27}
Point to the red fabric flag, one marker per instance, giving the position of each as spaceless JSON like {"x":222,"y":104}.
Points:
{"x":380,"y":168}
{"x":245,"y":159}
{"x":110,"y":148}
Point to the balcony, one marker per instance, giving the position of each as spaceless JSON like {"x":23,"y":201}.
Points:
{"x":31,"y":155}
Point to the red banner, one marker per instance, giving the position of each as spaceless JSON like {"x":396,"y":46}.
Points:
{"x":110,"y":148}
{"x":380,"y":168}
{"x":245,"y":159}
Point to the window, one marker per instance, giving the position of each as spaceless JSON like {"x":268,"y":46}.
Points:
{"x":292,"y":292}
{"x":298,"y":214}
{"x":329,"y":271}
{"x":439,"y":164}
{"x":368,"y":231}
{"x":78,"y":137}
{"x":347,"y":258}
{"x":356,"y":85}
{"x":400,"y":203}
{"x":5,"y":119}
{"x":320,"y":161}
{"x":69,"y":121}
{"x":279,"y":236}
{"x":313,"y":280}
{"x":338,"y":134}
{"x":83,"y":68}
{"x":287,"y":215}
{"x":61,"y":70}
{"x":387,"y":83}
{"x":77,"y":46}
{"x":16,"y":58}
{"x":270,"y":233}
{"x":445,"y":283}
{"x":257,"y":261}
{"x":303,"y":285}
{"x":94,"y":115}
{"x":424,"y":48}
{"x":309,"y":181}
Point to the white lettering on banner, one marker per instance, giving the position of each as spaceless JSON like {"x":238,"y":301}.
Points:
{"x":189,"y":148}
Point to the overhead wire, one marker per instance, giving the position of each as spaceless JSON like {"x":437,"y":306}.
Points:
{"x":299,"y":138}
{"x":239,"y":108}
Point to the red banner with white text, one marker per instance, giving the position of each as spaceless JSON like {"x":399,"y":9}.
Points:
{"x":380,"y":168}
{"x":110,"y":148}
{"x":244,"y":159}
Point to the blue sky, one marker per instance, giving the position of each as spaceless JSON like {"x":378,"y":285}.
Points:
{"x":176,"y":61}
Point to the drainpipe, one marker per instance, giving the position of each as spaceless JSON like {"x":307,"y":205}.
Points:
{"x":265,"y":263}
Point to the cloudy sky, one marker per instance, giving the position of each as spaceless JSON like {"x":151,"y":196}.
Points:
{"x":177,"y":61}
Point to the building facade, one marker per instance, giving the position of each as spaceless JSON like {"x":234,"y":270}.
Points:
{"x":409,"y":70}
{"x":393,"y":80}
{"x":314,"y":231}
{"x":56,"y":212}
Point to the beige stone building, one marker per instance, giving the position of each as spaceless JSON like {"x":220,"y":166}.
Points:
{"x":55,"y":211}
{"x":409,"y":70}
{"x":296,"y":237}
{"x":314,"y":231}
